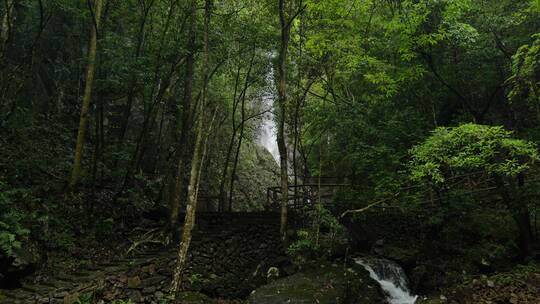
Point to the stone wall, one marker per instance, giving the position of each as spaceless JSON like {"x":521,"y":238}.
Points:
{"x":229,"y":256}
{"x":231,"y":253}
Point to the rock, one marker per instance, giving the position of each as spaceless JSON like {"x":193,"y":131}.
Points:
{"x":71,"y":298}
{"x":134,"y":295}
{"x":406,"y":257}
{"x":149,"y":269}
{"x":323,"y":285}
{"x":193,"y":298}
{"x":134,"y":282}
{"x":159,"y":295}
{"x":149,"y":290}
{"x":153,"y":281}
{"x":417,"y":276}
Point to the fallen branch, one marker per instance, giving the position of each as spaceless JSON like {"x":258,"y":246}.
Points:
{"x":148,"y":238}
{"x":369,"y":206}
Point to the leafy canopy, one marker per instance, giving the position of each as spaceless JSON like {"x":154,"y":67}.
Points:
{"x":471,"y":147}
{"x":526,"y":74}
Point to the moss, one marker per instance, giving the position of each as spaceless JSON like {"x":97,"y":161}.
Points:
{"x":323,"y":283}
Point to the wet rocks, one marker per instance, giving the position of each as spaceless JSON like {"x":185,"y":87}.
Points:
{"x":324,"y":284}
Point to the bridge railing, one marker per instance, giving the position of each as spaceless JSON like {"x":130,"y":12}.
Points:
{"x":479,"y":184}
{"x":302,"y":195}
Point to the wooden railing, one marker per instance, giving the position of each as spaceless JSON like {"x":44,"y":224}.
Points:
{"x":478,"y":184}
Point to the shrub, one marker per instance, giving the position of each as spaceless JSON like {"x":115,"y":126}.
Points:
{"x":12,"y":230}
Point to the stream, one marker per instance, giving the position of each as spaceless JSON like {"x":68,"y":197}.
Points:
{"x":392,"y":279}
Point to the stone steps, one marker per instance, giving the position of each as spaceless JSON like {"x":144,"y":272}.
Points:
{"x":67,"y":279}
{"x":147,"y":273}
{"x":15,"y":296}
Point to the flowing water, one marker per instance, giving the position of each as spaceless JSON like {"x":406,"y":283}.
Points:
{"x":267,"y":136}
{"x":392,"y":279}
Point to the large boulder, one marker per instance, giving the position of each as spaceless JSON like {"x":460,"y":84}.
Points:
{"x":323,"y":284}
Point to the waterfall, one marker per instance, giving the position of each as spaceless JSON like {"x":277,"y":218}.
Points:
{"x":268,"y":136}
{"x":392,"y":279}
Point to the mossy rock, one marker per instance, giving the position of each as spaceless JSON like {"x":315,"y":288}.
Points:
{"x":324,"y":284}
{"x":190,"y":297}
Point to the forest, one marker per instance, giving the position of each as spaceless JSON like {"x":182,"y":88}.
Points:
{"x":269,"y":151}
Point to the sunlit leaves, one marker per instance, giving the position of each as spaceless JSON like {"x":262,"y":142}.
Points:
{"x":468,"y":148}
{"x":525,"y":78}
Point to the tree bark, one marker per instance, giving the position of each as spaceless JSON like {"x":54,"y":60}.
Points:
{"x":241,"y":127}
{"x":176,"y":198}
{"x":196,"y":164}
{"x":282,"y":104}
{"x":87,"y":97}
{"x":160,"y":85}
{"x":145,"y":10}
{"x":222,"y":197}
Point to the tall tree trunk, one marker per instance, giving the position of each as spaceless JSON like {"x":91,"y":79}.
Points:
{"x":241,"y":127}
{"x":282,"y":105}
{"x":175,"y":200}
{"x":237,"y":154}
{"x":145,"y":10}
{"x":87,"y":97}
{"x":160,"y":85}
{"x":196,"y":164}
{"x":223,"y":180}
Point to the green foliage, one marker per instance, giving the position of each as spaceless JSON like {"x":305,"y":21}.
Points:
{"x":122,"y":302}
{"x":12,"y":229}
{"x":85,"y":298}
{"x":195,"y":280}
{"x":468,"y":148}
{"x":519,"y":273}
{"x":525,"y":78}
{"x":319,"y":238}
{"x":535,"y":6}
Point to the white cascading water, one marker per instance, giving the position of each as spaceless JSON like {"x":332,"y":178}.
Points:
{"x":267,"y":137}
{"x":392,"y":279}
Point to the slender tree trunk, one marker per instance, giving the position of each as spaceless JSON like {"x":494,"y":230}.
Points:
{"x":87,"y":97}
{"x":191,"y":207}
{"x":223,"y":180}
{"x":300,"y":101}
{"x":196,"y":164}
{"x":282,"y":105}
{"x":160,"y":84}
{"x":7,"y":24}
{"x":237,"y":154}
{"x":133,"y":81}
{"x":241,"y":127}
{"x":186,"y":105}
